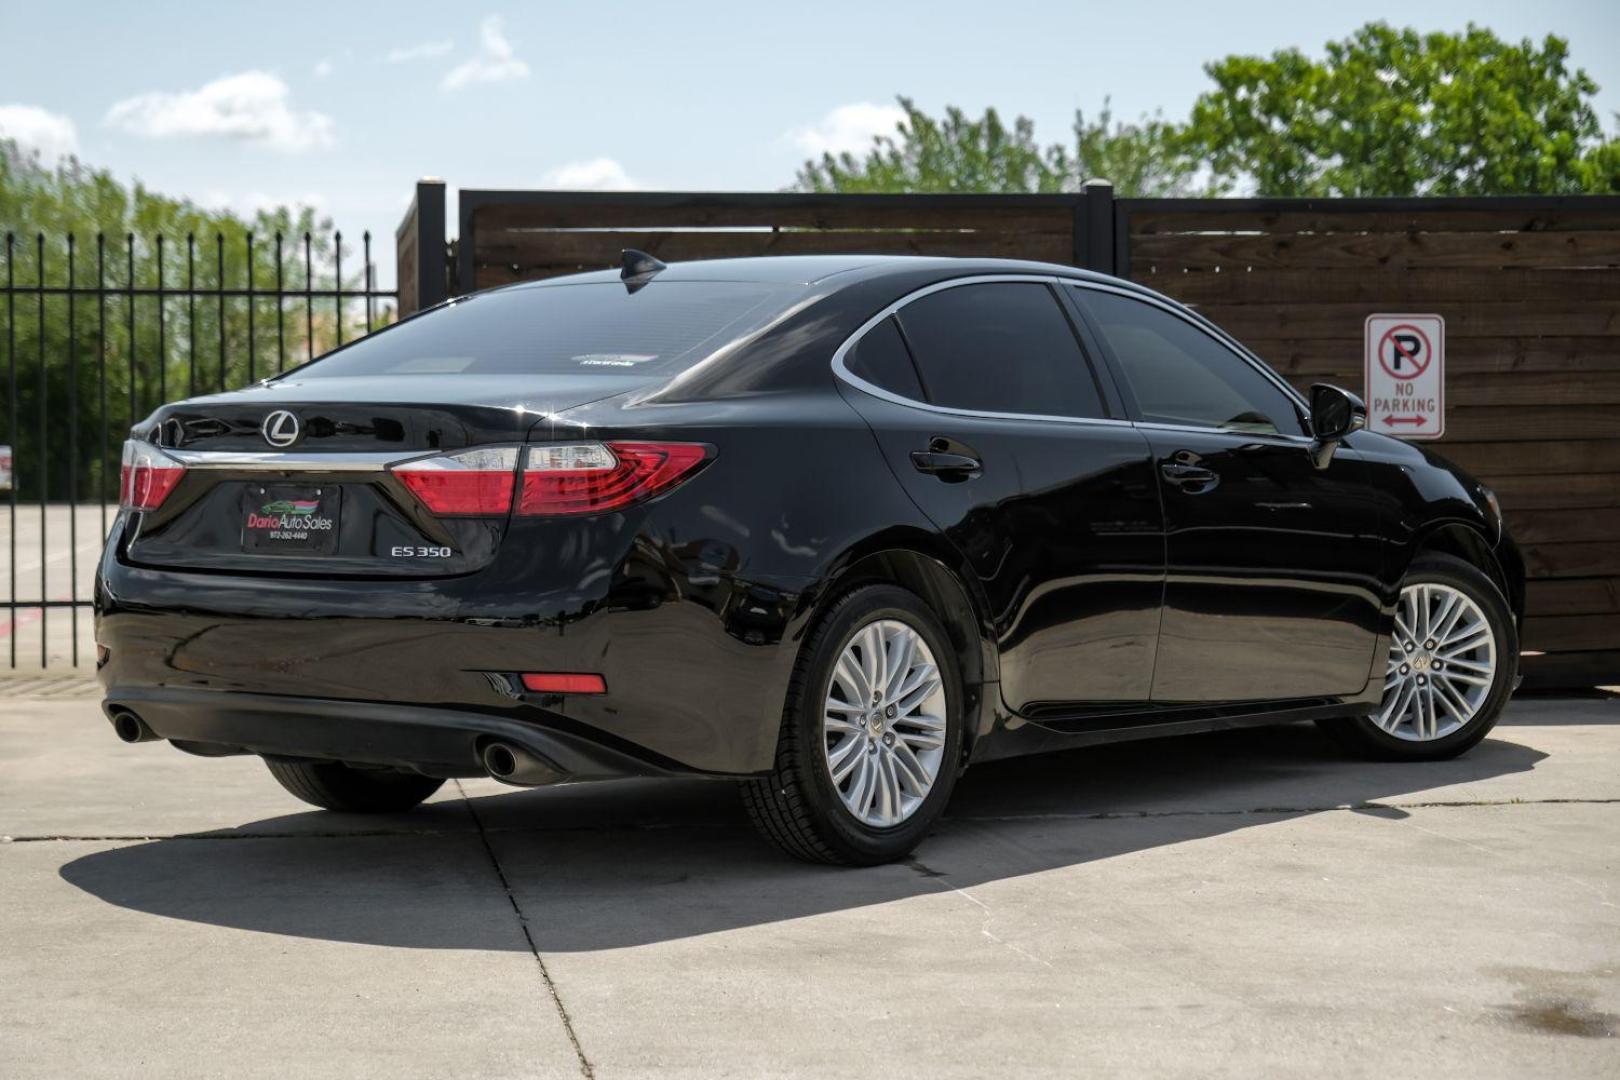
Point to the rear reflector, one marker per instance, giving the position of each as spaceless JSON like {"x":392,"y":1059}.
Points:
{"x":557,"y":683}
{"x":146,"y":476}
{"x":593,"y":478}
{"x":469,"y":483}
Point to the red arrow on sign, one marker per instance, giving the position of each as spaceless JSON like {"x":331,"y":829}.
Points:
{"x":1393,"y":420}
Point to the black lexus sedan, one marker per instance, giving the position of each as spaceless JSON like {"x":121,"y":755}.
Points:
{"x":833,"y":528}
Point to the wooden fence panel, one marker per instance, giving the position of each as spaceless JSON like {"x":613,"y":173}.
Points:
{"x":523,"y":256}
{"x":1507,"y":353}
{"x":1360,"y":251}
{"x":1530,"y":292}
{"x":517,"y":236}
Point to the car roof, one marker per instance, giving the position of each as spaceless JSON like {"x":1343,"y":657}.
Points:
{"x":814,"y":269}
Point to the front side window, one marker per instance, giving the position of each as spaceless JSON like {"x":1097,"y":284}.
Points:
{"x":1001,"y":347}
{"x":1181,"y":375}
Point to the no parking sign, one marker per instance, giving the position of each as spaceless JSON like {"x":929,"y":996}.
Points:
{"x":1405,"y":372}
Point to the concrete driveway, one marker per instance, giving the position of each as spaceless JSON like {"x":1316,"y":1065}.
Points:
{"x":1239,"y":904}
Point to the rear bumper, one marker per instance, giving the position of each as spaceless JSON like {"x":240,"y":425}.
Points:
{"x":435,"y":741}
{"x":418,"y":674}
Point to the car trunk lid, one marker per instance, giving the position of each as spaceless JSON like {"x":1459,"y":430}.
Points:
{"x":278,"y":480}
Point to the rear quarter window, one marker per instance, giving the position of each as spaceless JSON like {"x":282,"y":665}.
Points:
{"x":882,"y":359}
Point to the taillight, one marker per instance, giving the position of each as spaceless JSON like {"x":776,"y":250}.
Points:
{"x":593,"y":478}
{"x":147,"y":476}
{"x":468,"y":483}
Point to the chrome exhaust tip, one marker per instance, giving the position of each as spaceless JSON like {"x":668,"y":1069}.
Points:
{"x":516,"y":766}
{"x":131,"y":728}
{"x":500,"y":760}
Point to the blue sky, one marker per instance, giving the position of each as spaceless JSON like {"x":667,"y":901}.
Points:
{"x":344,"y":105}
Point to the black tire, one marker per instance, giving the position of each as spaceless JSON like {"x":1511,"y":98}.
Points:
{"x":797,"y":806}
{"x":1361,"y":736}
{"x":331,"y":785}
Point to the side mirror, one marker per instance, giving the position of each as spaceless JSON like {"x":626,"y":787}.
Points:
{"x":1335,"y":413}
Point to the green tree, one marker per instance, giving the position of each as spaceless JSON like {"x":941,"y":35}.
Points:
{"x":1396,"y":112}
{"x":56,"y":342}
{"x":1143,"y":159}
{"x":961,"y":154}
{"x":956,"y":154}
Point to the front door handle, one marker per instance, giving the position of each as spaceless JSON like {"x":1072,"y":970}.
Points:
{"x":946,"y":466}
{"x":1193,"y":479}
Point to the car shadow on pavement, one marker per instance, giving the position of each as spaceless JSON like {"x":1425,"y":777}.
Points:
{"x":620,"y":864}
{"x":1564,"y":708}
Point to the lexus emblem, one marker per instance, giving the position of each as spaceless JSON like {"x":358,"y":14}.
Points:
{"x":280,"y":428}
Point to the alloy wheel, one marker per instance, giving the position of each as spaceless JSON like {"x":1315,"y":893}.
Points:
{"x":884,"y":723}
{"x":1442,"y":664}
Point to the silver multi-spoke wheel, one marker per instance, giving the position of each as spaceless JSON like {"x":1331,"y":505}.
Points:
{"x":1442,"y":664}
{"x":884,"y":723}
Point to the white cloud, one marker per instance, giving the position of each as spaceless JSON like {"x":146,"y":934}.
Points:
{"x":848,"y":128}
{"x":323,"y":68}
{"x":425,"y":50}
{"x":495,"y":61}
{"x":254,"y":106}
{"x":597,"y":174}
{"x":37,"y":130}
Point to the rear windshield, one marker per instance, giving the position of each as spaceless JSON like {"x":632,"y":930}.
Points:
{"x":567,"y":329}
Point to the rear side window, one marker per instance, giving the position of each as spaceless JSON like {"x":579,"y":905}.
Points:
{"x":882,"y":359}
{"x":598,"y":329}
{"x":1001,"y":347}
{"x":1179,"y":374}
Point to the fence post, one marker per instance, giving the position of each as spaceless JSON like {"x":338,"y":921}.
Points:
{"x":419,"y":243}
{"x":1095,"y":244}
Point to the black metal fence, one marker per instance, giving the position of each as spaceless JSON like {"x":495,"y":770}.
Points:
{"x":97,"y":334}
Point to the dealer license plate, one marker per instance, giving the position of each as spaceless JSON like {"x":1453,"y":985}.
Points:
{"x":280,"y":519}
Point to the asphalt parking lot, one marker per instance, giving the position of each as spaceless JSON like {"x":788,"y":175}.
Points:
{"x":1237,"y":904}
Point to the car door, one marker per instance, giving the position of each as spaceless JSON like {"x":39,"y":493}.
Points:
{"x":995,"y":423}
{"x":1271,"y":591}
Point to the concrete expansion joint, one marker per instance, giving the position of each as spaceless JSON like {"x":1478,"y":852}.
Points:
{"x":585,"y":1068}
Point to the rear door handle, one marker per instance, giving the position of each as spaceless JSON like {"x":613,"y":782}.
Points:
{"x":1193,"y":479}
{"x":946,"y":466}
